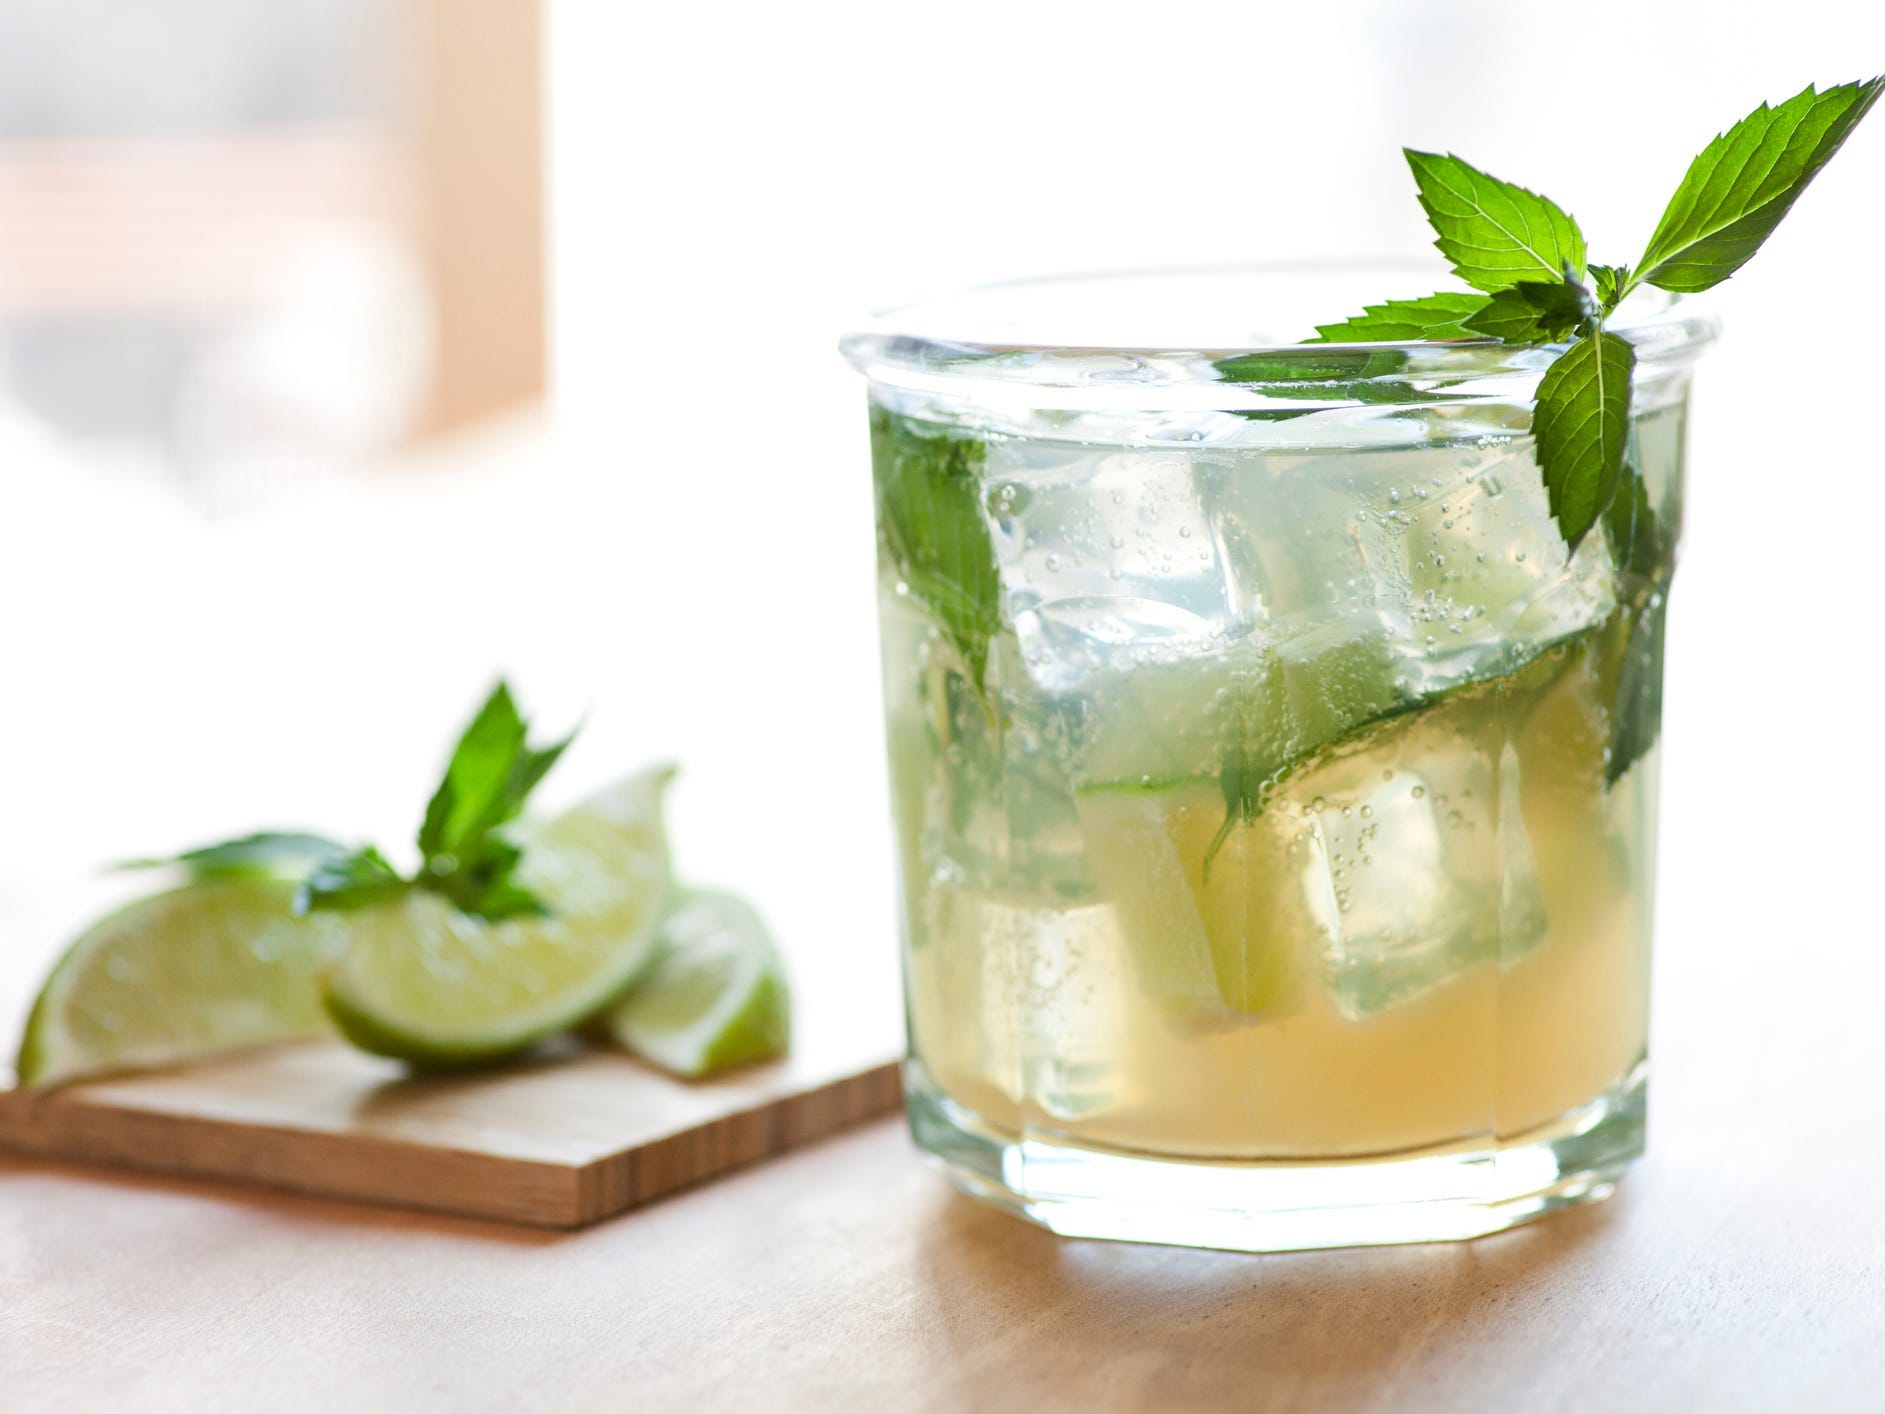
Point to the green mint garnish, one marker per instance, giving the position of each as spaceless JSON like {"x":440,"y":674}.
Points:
{"x":1404,"y":321}
{"x":1339,"y":375}
{"x":934,"y":530}
{"x":1735,"y":193}
{"x":270,"y":854}
{"x":1533,"y":311}
{"x":1527,"y":255}
{"x":1610,"y":281}
{"x":465,"y":855}
{"x":1581,"y":425}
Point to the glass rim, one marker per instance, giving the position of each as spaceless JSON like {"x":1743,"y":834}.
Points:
{"x":932,"y":345}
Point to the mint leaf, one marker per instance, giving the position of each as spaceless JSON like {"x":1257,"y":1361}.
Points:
{"x":1631,"y":528}
{"x":1532,"y":312}
{"x":355,"y":880}
{"x":1307,"y":364}
{"x":1611,"y":282}
{"x":934,"y":530}
{"x":1636,"y":715}
{"x":485,"y":882}
{"x":464,"y":855}
{"x":1394,"y":321}
{"x":1496,"y":234}
{"x":1639,"y":548}
{"x":275,"y":854}
{"x":1580,"y":425}
{"x":1737,"y":190}
{"x":491,"y":773}
{"x":1338,"y":375}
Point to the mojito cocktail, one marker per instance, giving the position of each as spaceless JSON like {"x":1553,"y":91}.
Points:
{"x":1275,"y":789}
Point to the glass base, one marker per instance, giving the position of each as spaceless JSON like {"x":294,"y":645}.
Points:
{"x":1447,"y":1193}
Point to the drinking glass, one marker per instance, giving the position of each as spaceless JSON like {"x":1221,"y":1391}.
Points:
{"x":1274,"y":787}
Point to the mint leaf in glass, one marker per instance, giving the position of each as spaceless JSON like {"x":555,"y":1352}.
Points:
{"x":1338,"y":375}
{"x":934,"y":529}
{"x":1399,"y":321}
{"x":1631,"y":528}
{"x":1496,"y":234}
{"x":1736,"y":191}
{"x":1636,"y":715}
{"x":1581,"y":423}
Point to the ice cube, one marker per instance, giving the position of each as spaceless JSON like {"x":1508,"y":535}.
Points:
{"x":1011,"y":999}
{"x":1488,"y":574}
{"x":1299,"y":542}
{"x":1421,"y":867}
{"x":979,"y":792}
{"x":1105,"y":557}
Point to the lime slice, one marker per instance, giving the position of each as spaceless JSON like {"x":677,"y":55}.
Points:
{"x":1272,"y":706}
{"x":426,"y":984}
{"x":1199,"y":936}
{"x":717,"y":996}
{"x":201,"y":969}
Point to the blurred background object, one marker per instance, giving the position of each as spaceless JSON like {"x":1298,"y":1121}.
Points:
{"x":240,"y":243}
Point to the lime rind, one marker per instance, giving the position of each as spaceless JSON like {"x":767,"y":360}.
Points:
{"x":423,"y":983}
{"x":717,"y":995}
{"x":183,"y":975}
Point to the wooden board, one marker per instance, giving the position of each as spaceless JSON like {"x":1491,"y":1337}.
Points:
{"x":560,"y":1142}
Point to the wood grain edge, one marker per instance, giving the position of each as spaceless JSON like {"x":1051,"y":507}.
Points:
{"x":359,"y":1167}
{"x":430,"y":1178}
{"x":617,"y":1182}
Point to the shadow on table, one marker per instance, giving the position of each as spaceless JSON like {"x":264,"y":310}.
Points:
{"x":1169,"y":1328}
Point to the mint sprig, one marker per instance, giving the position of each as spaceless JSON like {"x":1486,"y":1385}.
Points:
{"x":1527,"y":255}
{"x":465,"y":854}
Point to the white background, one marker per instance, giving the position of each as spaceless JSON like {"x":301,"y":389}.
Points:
{"x":686,"y":552}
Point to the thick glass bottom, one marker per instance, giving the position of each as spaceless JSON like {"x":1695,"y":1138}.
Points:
{"x":1444,"y":1193}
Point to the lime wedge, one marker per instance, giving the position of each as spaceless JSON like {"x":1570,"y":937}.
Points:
{"x":429,"y":985}
{"x":717,"y":995}
{"x":201,"y":969}
{"x":1199,"y":937}
{"x":1271,"y":706}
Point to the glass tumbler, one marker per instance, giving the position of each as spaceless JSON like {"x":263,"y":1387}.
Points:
{"x":1274,"y":787}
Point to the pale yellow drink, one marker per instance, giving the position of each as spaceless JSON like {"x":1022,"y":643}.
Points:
{"x":1428,"y":931}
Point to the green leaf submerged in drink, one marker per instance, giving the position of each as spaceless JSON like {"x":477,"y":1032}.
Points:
{"x":931,"y":517}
